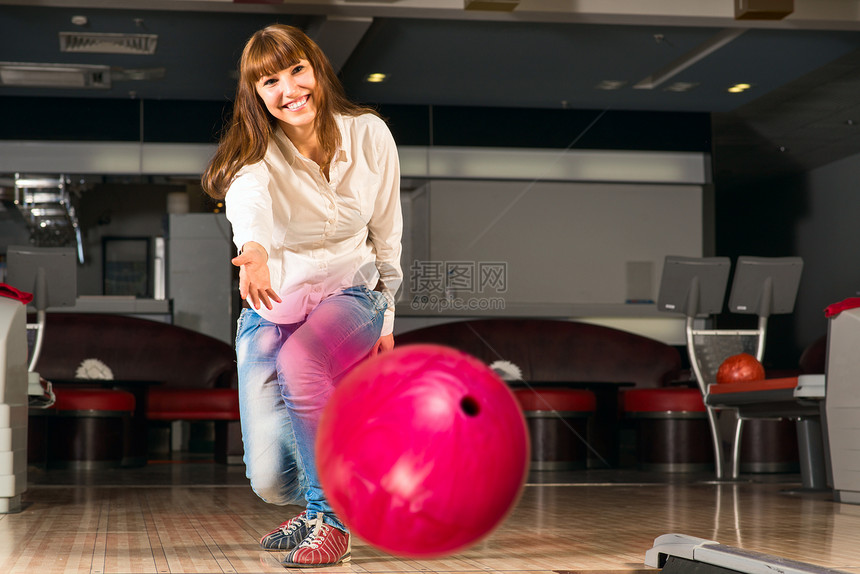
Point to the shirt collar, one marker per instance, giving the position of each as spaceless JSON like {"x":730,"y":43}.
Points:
{"x":292,"y":154}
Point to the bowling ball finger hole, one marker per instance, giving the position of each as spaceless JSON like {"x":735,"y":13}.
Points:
{"x":470,"y":406}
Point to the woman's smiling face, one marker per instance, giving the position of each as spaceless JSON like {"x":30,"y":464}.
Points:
{"x":288,"y":95}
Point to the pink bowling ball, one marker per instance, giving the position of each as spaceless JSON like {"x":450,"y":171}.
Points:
{"x":422,"y":451}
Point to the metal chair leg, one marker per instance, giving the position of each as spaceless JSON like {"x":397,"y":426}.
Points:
{"x":736,"y":449}
{"x":717,"y":443}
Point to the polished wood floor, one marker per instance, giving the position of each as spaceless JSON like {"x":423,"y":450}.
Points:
{"x":202,"y":517}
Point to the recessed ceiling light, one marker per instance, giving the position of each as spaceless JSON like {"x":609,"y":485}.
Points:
{"x":738,"y":88}
{"x":680,"y":87}
{"x":376,"y":77}
{"x":610,"y":85}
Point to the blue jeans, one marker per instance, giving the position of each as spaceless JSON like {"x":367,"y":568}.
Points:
{"x":286,"y":375}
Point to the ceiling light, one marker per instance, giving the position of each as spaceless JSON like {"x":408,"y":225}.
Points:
{"x":610,"y":85}
{"x":738,"y":88}
{"x":95,"y":43}
{"x":680,"y":87}
{"x":54,"y":75}
{"x":376,"y":78}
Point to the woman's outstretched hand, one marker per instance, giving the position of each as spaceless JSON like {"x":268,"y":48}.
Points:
{"x":254,"y":275}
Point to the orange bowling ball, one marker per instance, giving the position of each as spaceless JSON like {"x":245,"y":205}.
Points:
{"x":740,"y":367}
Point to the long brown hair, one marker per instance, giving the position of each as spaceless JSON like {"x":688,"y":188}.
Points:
{"x":244,"y":142}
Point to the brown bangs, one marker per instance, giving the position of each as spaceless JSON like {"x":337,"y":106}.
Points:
{"x":269,"y":54}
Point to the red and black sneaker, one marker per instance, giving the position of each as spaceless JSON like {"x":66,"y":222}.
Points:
{"x":288,"y":535}
{"x":324,"y":545}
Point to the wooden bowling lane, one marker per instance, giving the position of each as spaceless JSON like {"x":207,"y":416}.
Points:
{"x":584,"y":528}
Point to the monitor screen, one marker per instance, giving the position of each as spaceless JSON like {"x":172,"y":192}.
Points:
{"x":765,"y":286}
{"x":695,"y":286}
{"x":59,"y":267}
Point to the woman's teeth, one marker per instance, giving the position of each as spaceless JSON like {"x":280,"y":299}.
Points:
{"x":297,"y":104}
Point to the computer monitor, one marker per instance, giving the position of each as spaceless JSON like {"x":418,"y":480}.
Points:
{"x":765,"y":286}
{"x":694,"y":286}
{"x":49,"y":273}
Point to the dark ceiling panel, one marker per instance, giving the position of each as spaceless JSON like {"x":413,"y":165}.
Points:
{"x":767,"y":59}
{"x":507,"y":64}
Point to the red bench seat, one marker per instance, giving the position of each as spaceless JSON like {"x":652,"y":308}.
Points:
{"x":193,"y":404}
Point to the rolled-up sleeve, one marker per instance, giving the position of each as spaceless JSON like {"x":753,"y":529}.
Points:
{"x":249,"y":206}
{"x":386,"y":224}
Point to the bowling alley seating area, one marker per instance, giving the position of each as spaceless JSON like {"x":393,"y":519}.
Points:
{"x":177,"y":376}
{"x":560,"y":363}
{"x":650,"y":414}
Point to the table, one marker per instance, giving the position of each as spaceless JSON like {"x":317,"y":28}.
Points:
{"x":603,"y":425}
{"x":136,"y":429}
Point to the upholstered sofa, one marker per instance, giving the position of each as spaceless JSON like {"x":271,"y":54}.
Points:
{"x":549,"y":350}
{"x":188,"y":376}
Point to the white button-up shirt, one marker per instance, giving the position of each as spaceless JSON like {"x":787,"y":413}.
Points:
{"x":323,"y":236}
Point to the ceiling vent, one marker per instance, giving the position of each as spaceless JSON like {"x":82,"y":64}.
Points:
{"x":91,"y":42}
{"x":54,"y":75}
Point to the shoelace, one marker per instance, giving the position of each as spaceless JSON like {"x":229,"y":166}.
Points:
{"x":293,"y":525}
{"x":317,"y":535}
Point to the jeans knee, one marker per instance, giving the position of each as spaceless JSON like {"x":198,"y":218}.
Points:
{"x":296,"y":364}
{"x":274,"y":492}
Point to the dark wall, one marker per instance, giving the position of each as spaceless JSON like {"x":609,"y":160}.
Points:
{"x":758,"y":217}
{"x":175,"y":121}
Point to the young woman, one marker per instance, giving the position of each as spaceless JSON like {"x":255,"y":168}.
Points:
{"x":311,"y":183}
